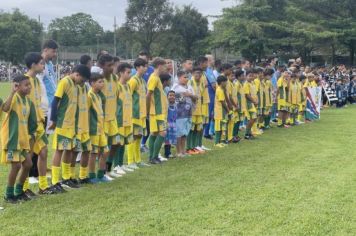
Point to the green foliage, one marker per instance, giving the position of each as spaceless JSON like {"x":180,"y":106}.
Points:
{"x":75,"y":30}
{"x":18,"y":34}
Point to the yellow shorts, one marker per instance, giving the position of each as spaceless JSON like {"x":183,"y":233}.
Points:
{"x":205,"y":113}
{"x":41,"y":139}
{"x":157,"y":125}
{"x":220,"y":125}
{"x":139,"y":127}
{"x":301,"y":107}
{"x":282,"y":105}
{"x":250,"y":115}
{"x":111,"y":131}
{"x":99,"y":144}
{"x":82,"y":143}
{"x":13,"y":156}
{"x":267,"y":111}
{"x":125,"y":135}
{"x":294,"y":108}
{"x":197,"y":123}
{"x":63,"y":139}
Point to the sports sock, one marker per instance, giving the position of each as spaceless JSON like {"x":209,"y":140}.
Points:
{"x":18,"y":189}
{"x":83,"y":172}
{"x":151,"y":144}
{"x":55,"y":174}
{"x":65,"y":171}
{"x":26,"y":184}
{"x":157,"y":146}
{"x":42,"y":182}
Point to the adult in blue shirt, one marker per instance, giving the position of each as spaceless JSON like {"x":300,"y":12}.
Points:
{"x":209,"y":72}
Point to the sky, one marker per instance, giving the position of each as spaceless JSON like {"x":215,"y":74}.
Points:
{"x":102,"y":11}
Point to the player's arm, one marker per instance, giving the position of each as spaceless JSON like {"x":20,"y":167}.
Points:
{"x":7,"y":104}
{"x":32,"y":121}
{"x":148,"y":101}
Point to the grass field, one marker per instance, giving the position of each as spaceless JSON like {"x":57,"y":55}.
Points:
{"x":300,"y":181}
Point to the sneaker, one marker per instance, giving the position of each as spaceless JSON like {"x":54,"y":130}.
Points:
{"x":75,"y":181}
{"x":59,"y":188}
{"x":1,"y":208}
{"x":236,"y":140}
{"x":69,"y":184}
{"x":199,"y":150}
{"x":143,"y":164}
{"x":106,"y":176}
{"x":94,"y":181}
{"x":12,"y":200}
{"x":219,"y":145}
{"x":23,"y":197}
{"x":133,"y":166}
{"x":126,"y":168}
{"x":47,"y":191}
{"x":119,"y":170}
{"x":84,"y":181}
{"x":155,"y":161}
{"x":30,"y":194}
{"x":33,"y":180}
{"x":114,"y":175}
{"x":286,"y":126}
{"x":205,"y":148}
{"x":161,"y":158}
{"x":192,"y":152}
{"x":144,"y":149}
{"x":105,"y":179}
{"x":249,"y":137}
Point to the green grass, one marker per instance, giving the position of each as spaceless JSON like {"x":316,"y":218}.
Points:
{"x":300,"y":181}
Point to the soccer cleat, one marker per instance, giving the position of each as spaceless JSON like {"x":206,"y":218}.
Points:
{"x":75,"y":181}
{"x":155,"y":161}
{"x":199,"y":150}
{"x":69,"y":184}
{"x":23,"y":197}
{"x":118,"y":170}
{"x":30,"y":194}
{"x":126,"y":168}
{"x":219,"y":145}
{"x":205,"y":148}
{"x":33,"y":180}
{"x":143,"y":164}
{"x":113,"y":174}
{"x":59,"y":188}
{"x":47,"y":191}
{"x":210,"y":137}
{"x":12,"y":200}
{"x":249,"y":137}
{"x":108,"y":177}
{"x":105,"y":179}
{"x":94,"y":181}
{"x":84,"y":181}
{"x":161,"y":158}
{"x":133,"y":166}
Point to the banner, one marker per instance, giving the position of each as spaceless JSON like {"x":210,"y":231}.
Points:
{"x":314,"y":103}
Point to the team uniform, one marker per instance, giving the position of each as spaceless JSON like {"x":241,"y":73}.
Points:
{"x":206,"y":99}
{"x":241,"y":98}
{"x":139,"y":112}
{"x":82,"y":143}
{"x":303,"y":101}
{"x":158,"y":107}
{"x":109,"y":98}
{"x":124,"y":114}
{"x":259,"y":90}
{"x":267,"y":97}
{"x":64,"y":133}
{"x":233,"y":115}
{"x":250,"y":89}
{"x":294,"y":97}
{"x":220,"y":114}
{"x":282,"y":85}
{"x":197,"y":114}
{"x":41,"y":139}
{"x":98,"y":138}
{"x":18,"y":127}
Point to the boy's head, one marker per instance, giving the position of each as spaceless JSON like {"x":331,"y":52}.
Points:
{"x":187,"y":65}
{"x":140,"y":66}
{"x":222,"y":80}
{"x":226,"y":69}
{"x":182,"y":77}
{"x":34,"y":62}
{"x":293,"y":77}
{"x":106,"y":62}
{"x":96,"y":81}
{"x":251,"y":75}
{"x":240,"y":75}
{"x":22,"y":84}
{"x":159,"y":64}
{"x":202,"y":62}
{"x":268,"y":73}
{"x":86,"y":60}
{"x":197,"y":73}
{"x":80,"y":74}
{"x":124,"y":71}
{"x":171,"y":97}
{"x":49,"y":49}
{"x":165,"y":79}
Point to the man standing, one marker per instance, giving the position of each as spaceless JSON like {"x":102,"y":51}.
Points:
{"x":209,"y":73}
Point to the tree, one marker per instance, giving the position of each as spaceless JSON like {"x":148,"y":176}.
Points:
{"x":191,"y":26}
{"x":76,"y":30}
{"x":147,"y":18}
{"x":19,"y":35}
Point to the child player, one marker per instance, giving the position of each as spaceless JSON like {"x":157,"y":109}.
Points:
{"x":241,"y":101}
{"x":282,"y":94}
{"x":221,"y":110}
{"x":17,"y":137}
{"x":251,"y":102}
{"x":267,"y":97}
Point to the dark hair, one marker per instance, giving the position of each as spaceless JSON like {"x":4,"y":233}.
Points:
{"x":116,"y":59}
{"x":239,"y":73}
{"x":268,"y":71}
{"x":32,"y":58}
{"x":181,"y":73}
{"x":201,"y":60}
{"x":105,"y":58}
{"x":220,"y":79}
{"x":226,"y":66}
{"x":143,"y":53}
{"x":302,"y":77}
{"x":158,"y":62}
{"x":123,"y":66}
{"x":218,"y":63}
{"x":140,"y":62}
{"x":165,"y":77}
{"x":250,"y":72}
{"x":197,"y":68}
{"x":186,"y":59}
{"x":171,"y":91}
{"x":19,"y":78}
{"x":293,"y":75}
{"x":82,"y":70}
{"x":95,"y":77}
{"x":84,"y":59}
{"x":100,"y":53}
{"x":50,"y":43}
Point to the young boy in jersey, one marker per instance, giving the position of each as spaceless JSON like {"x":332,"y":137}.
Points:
{"x":241,"y":101}
{"x":282,"y":94}
{"x":221,"y":110}
{"x":63,"y":118}
{"x":157,"y":108}
{"x":138,"y":89}
{"x":197,"y":115}
{"x":35,"y":65}
{"x":267,"y":98}
{"x":256,"y":128}
{"x":17,"y":136}
{"x":98,"y":138}
{"x":123,"y":116}
{"x":251,"y":102}
{"x":171,"y":136}
{"x":294,"y":98}
{"x":302,"y":104}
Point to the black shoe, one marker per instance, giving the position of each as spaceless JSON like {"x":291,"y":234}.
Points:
{"x":155,"y":161}
{"x":12,"y":200}
{"x":69,"y":184}
{"x":23,"y":197}
{"x":210,"y":137}
{"x":85,"y":181}
{"x":249,"y":137}
{"x":58,"y":188}
{"x":30,"y":194}
{"x":75,"y":181}
{"x":47,"y":191}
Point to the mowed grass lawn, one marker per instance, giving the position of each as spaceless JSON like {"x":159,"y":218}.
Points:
{"x":298,"y":181}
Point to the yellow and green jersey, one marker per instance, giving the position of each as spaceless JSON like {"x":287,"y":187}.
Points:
{"x":267,"y":93}
{"x":82,"y":111}
{"x":294,"y":93}
{"x":109,"y":97}
{"x":282,"y":85}
{"x":19,"y":124}
{"x":67,"y":108}
{"x":259,"y":92}
{"x":198,"y":88}
{"x":139,"y":91}
{"x":302,"y":92}
{"x":124,"y":105}
{"x":35,"y":97}
{"x":96,"y":114}
{"x":219,"y":111}
{"x":313,"y":84}
{"x":240,"y":96}
{"x":250,"y":89}
{"x":158,"y":106}
{"x":206,"y":98}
